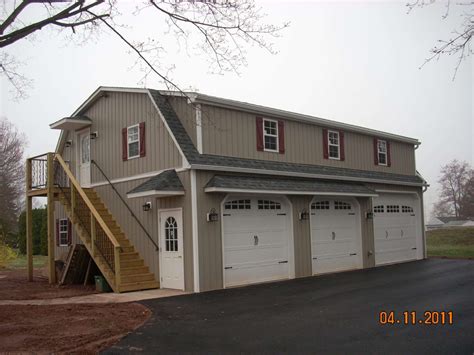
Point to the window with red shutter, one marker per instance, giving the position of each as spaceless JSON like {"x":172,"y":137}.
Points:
{"x":376,"y":152}
{"x":69,"y":232}
{"x":142,"y":139}
{"x":124,"y":144}
{"x":342,"y":146}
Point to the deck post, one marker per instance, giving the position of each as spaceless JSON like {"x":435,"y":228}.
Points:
{"x":73,"y":203}
{"x":93,"y":234}
{"x":117,"y":267}
{"x":50,"y":216}
{"x":29,"y":222}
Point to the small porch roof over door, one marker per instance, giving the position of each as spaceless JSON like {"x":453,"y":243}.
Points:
{"x":287,"y":186}
{"x":72,"y":123}
{"x":165,"y":184}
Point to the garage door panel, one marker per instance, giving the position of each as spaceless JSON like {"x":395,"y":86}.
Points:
{"x":396,"y":228}
{"x":335,"y":237}
{"x":256,"y":243}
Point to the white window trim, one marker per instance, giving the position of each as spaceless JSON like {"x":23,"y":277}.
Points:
{"x":128,"y":143}
{"x":334,"y":145}
{"x":271,"y":135}
{"x":379,"y":152}
{"x":62,"y":232}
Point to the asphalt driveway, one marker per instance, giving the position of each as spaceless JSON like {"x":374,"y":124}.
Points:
{"x":328,"y":314}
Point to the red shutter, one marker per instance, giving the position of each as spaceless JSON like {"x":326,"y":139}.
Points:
{"x":124,"y":144}
{"x":69,"y":232}
{"x":142,"y":139}
{"x":259,"y":133}
{"x":341,"y":145}
{"x":57,"y":232}
{"x":281,"y":137}
{"x":389,"y":155}
{"x":376,"y":151}
{"x":325,"y":144}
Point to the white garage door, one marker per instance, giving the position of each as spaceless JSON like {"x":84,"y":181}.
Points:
{"x":256,"y":240}
{"x":397,"y":229}
{"x":336,"y":240}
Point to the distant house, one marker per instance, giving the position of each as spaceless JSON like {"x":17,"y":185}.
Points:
{"x":449,"y":222}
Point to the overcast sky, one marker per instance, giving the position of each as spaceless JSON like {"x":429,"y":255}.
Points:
{"x":354,"y":62}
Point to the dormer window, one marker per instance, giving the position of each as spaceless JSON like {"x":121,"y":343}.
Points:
{"x":382,"y":152}
{"x":334,"y":145}
{"x":270,"y":135}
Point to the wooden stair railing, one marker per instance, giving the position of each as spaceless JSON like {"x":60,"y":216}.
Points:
{"x":97,"y":237}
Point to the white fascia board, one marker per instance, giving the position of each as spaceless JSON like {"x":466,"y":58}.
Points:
{"x":81,"y":123}
{"x":286,"y":192}
{"x":155,"y":193}
{"x":294,"y":174}
{"x":397,"y":192}
{"x":199,"y":128}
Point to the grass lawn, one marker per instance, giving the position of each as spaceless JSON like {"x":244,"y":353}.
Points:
{"x":19,"y":262}
{"x":451,"y":242}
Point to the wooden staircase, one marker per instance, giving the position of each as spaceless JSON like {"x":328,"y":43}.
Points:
{"x":114,"y":254}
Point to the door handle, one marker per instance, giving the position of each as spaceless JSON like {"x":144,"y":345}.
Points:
{"x":333,"y":235}
{"x":255,"y":240}
{"x":386,"y":234}
{"x":401,"y":232}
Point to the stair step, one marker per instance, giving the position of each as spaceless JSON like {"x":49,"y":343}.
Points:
{"x":135,"y":286}
{"x":134,"y":270}
{"x":137,"y":278}
{"x":131,"y":263}
{"x":129,"y":256}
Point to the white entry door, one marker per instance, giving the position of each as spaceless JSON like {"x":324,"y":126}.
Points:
{"x":336,"y":240}
{"x":397,"y":229}
{"x":257,"y":240}
{"x":84,"y":175}
{"x":171,"y":249}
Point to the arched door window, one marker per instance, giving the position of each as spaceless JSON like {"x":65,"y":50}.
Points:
{"x":171,"y":234}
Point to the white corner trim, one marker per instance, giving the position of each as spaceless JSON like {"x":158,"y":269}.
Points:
{"x":286,"y":192}
{"x":155,"y":193}
{"x":136,"y":177}
{"x":195,"y":231}
{"x":291,"y":173}
{"x":199,"y":128}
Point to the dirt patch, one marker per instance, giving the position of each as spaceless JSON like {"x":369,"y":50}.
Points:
{"x":14,"y":285}
{"x":74,"y":328}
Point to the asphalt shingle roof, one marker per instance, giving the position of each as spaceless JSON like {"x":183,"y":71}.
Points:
{"x":286,"y":184}
{"x":194,"y":158}
{"x":165,"y":181}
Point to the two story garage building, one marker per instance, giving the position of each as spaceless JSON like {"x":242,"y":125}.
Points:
{"x":235,"y":193}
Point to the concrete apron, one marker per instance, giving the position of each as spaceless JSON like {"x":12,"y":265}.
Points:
{"x":100,"y":298}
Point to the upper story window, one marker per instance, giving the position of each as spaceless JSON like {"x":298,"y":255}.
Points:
{"x":270,"y":135}
{"x":382,"y":152}
{"x":334,"y":145}
{"x":133,"y":140}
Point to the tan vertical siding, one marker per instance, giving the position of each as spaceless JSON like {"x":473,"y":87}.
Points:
{"x":302,"y":236}
{"x":367,"y":231}
{"x":111,"y":113}
{"x":210,"y":239}
{"x":233,"y":133}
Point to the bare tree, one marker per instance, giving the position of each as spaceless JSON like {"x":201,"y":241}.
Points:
{"x":459,"y":42}
{"x":12,"y":143}
{"x":456,"y":185}
{"x":221,"y":29}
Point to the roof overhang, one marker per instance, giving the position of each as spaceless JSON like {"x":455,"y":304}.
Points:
{"x":287,"y":192}
{"x":302,"y":175}
{"x":155,"y":193}
{"x":71,"y":123}
{"x":255,"y":184}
